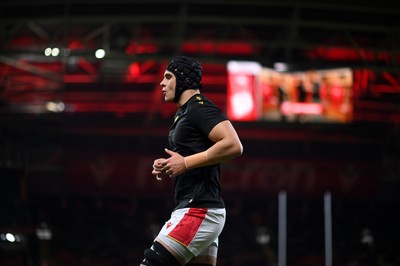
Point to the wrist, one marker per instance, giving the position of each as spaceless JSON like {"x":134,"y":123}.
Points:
{"x":196,"y":160}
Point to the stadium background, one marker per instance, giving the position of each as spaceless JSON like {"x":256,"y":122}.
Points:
{"x":78,"y":134}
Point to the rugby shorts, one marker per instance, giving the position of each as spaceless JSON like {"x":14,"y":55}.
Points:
{"x":192,"y":232}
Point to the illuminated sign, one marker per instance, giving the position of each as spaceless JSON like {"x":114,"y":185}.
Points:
{"x":256,"y":93}
{"x":243,"y":93}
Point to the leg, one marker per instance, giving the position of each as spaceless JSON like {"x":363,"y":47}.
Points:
{"x":190,"y":232}
{"x":203,"y":261}
{"x":159,"y":255}
{"x":206,"y":258}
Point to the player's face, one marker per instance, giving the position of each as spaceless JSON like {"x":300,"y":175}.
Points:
{"x":168,"y":85}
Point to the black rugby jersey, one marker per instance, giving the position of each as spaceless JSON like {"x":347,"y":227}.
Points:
{"x":198,"y":187}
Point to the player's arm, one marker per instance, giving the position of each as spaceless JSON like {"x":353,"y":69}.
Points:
{"x":227,"y":146}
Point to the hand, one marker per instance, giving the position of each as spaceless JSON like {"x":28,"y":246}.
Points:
{"x":174,"y":165}
{"x":158,"y":167}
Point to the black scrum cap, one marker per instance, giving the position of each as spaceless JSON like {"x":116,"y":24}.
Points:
{"x":188,"y":73}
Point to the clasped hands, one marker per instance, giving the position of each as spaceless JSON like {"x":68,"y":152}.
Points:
{"x":172,"y":166}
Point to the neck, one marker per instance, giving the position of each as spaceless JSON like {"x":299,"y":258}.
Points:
{"x":186,"y":95}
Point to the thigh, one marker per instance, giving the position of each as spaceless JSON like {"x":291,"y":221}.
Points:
{"x":208,"y":256}
{"x":203,"y":260}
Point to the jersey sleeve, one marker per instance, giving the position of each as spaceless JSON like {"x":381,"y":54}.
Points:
{"x":205,"y":115}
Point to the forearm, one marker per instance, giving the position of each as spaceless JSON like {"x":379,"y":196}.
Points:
{"x":220,"y":152}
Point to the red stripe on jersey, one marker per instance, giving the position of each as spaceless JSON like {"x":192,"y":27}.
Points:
{"x":186,"y":229}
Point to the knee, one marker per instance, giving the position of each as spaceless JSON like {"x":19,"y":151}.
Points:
{"x":158,"y":255}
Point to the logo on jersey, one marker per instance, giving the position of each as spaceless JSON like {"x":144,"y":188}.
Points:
{"x":199,"y":100}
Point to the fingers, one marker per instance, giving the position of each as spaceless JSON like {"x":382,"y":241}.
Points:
{"x":160,"y":174}
{"x":169,"y":152}
{"x":162,"y":166}
{"x":171,"y":166}
{"x":156,"y":172}
{"x":159,"y":164}
{"x":158,"y":169}
{"x":161,"y":169}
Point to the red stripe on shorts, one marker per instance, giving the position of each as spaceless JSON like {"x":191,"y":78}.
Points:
{"x":186,"y":229}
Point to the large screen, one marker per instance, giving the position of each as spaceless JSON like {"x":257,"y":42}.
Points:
{"x":258,"y":93}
